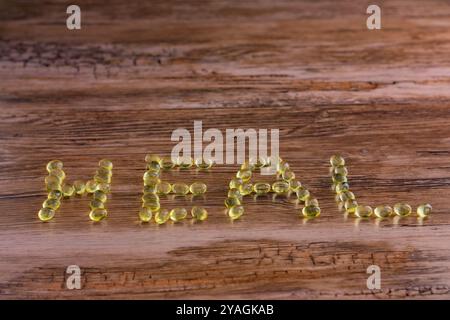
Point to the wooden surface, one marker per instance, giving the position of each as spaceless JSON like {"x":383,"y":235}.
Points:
{"x":140,"y":69}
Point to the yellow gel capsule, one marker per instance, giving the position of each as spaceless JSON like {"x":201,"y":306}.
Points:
{"x":424,"y":210}
{"x":163,"y":188}
{"x":145,"y":214}
{"x":185,"y":162}
{"x":46,"y":214}
{"x":150,"y":197}
{"x":258,"y":163}
{"x":91,"y":186}
{"x":280,"y":187}
{"x":232,"y":202}
{"x":402,"y":209}
{"x":149,"y":189}
{"x":152,"y":205}
{"x":198,"y":188}
{"x":102,"y":177}
{"x":235,"y":212}
{"x":350,"y":206}
{"x":234,"y":193}
{"x":51,"y":203}
{"x":246,"y":188}
{"x":261,"y":188}
{"x":166,"y":163}
{"x":150,"y":175}
{"x":151,"y":181}
{"x":105,"y":163}
{"x":363,"y":211}
{"x":294,"y":185}
{"x":303,"y":194}
{"x":180,"y":189}
{"x":235,"y":183}
{"x":95,"y":204}
{"x":288,"y":175}
{"x":68,"y":190}
{"x":311,"y":211}
{"x":340,"y":170}
{"x":54,"y":165}
{"x":337,"y":161}
{"x":105,"y":187}
{"x":98,"y":214}
{"x":100,"y":195}
{"x":244,"y":175}
{"x":199,"y":213}
{"x":58,"y":173}
{"x":178,"y":214}
{"x":162,"y":216}
{"x":341,"y":187}
{"x":152,"y":158}
{"x":346,"y":195}
{"x":79,"y":186}
{"x":247,"y":166}
{"x":282,"y":167}
{"x":383,"y":211}
{"x":203,"y":164}
{"x":339,"y":178}
{"x":154,"y":166}
{"x":54,"y":194}
{"x":312,"y":202}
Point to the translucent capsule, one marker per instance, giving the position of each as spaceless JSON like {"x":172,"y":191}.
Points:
{"x":282,"y":167}
{"x":162,"y":216}
{"x":149,"y":175}
{"x":246,"y":188}
{"x":311,"y":211}
{"x":247,"y":166}
{"x":180,"y":189}
{"x":280,"y":187}
{"x":203,"y":164}
{"x":145,"y":214}
{"x":383,"y":211}
{"x":294,"y":185}
{"x":424,"y":210}
{"x":232,"y":202}
{"x":100,"y":195}
{"x":245,"y":175}
{"x":105,"y":163}
{"x":340,"y":170}
{"x":198,"y":188}
{"x":346,"y":195}
{"x":149,"y":189}
{"x":54,"y":194}
{"x":363,"y":211}
{"x":58,"y":173}
{"x":152,"y":205}
{"x":98,"y":214}
{"x":166,"y":163}
{"x":68,"y":190}
{"x":102,"y":178}
{"x":46,"y":214}
{"x":52,"y":183}
{"x":339,"y":178}
{"x":54,"y":165}
{"x":258,"y":163}
{"x":261,"y":188}
{"x":312,"y":202}
{"x":178,"y":214}
{"x":303,"y":194}
{"x":350,"y":205}
{"x":151,"y":181}
{"x":51,"y":203}
{"x":105,"y":187}
{"x":79,"y":186}
{"x":96,"y":203}
{"x":341,"y":187}
{"x":402,"y":209}
{"x":235,"y":212}
{"x":91,"y":186}
{"x":185,"y":162}
{"x":163,"y":188}
{"x":235,"y":183}
{"x":234,"y":193}
{"x":152,"y":158}
{"x":199,"y":213}
{"x":337,"y":161}
{"x":150,"y":197}
{"x":154,"y":166}
{"x":288,"y":175}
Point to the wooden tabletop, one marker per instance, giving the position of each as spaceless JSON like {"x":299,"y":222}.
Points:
{"x":138,"y":70}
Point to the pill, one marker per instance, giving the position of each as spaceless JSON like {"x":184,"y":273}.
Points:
{"x":145,"y":214}
{"x":337,"y":161}
{"x":105,"y":187}
{"x":311,"y":211}
{"x":95,"y":204}
{"x":235,"y":183}
{"x":162,"y":216}
{"x":341,"y":187}
{"x":245,"y":175}
{"x":198,"y":188}
{"x":282,"y":166}
{"x":294,"y":185}
{"x":402,"y":209}
{"x":163,"y":188}
{"x":150,"y":197}
{"x":312,"y":202}
{"x":149,"y":158}
{"x":339,"y":178}
{"x":234,"y":193}
{"x":178,"y":214}
{"x":346,"y":195}
{"x":232,"y":202}
{"x":280,"y":187}
{"x":424,"y":210}
{"x":54,"y":165}
{"x":199,"y":213}
{"x":363,"y":211}
{"x":51,"y":203}
{"x":340,"y":170}
{"x":91,"y":186}
{"x":184,"y":162}
{"x":246,"y":165}
{"x":105,"y":163}
{"x":258,"y":163}
{"x":288,"y":175}
{"x":203,"y":164}
{"x":80,"y":187}
{"x":180,"y":189}
{"x":246,"y":188}
{"x":350,"y":205}
{"x":58,"y":173}
{"x":261,"y":188}
{"x":54,"y":194}
{"x":46,"y":214}
{"x":303,"y":194}
{"x":383,"y":211}
{"x":68,"y":190}
{"x":98,"y":214}
{"x":166,"y":163}
{"x":149,"y":189}
{"x":235,"y":212}
{"x":100,"y":195}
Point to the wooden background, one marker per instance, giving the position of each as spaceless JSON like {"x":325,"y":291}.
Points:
{"x":140,"y":69}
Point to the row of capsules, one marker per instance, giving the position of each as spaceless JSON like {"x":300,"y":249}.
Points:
{"x":57,"y":189}
{"x":347,"y":200}
{"x":154,"y":187}
{"x":285,"y":184}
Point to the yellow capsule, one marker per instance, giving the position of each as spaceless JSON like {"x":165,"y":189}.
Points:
{"x":235,"y":212}
{"x":105,"y":187}
{"x":163,"y":188}
{"x":383,"y":211}
{"x":198,"y":188}
{"x":98,"y":214}
{"x":100,"y":195}
{"x":105,"y":163}
{"x":46,"y":214}
{"x":303,"y":194}
{"x":152,"y":158}
{"x":58,"y":173}
{"x":154,"y":166}
{"x":178,"y":214}
{"x":54,"y":165}
{"x":145,"y":214}
{"x":149,"y":189}
{"x":261,"y":188}
{"x":424,"y":210}
{"x":199,"y":213}
{"x":363,"y":211}
{"x":96,"y":204}
{"x":312,"y":202}
{"x":288,"y":175}
{"x":184,"y":162}
{"x":350,"y":206}
{"x":294,"y":185}
{"x":150,"y":197}
{"x":339,"y":178}
{"x":166,"y":163}
{"x":280,"y":187}
{"x":51,"y":203}
{"x":232,"y":202}
{"x":151,"y":181}
{"x":341,"y":187}
{"x":203,"y":164}
{"x":180,"y":189}
{"x":150,"y":175}
{"x":68,"y":190}
{"x":311,"y":211}
{"x":102,"y":176}
{"x":162,"y":216}
{"x":235,"y":183}
{"x":245,"y":188}
{"x":79,"y":186}
{"x":234,"y":193}
{"x":91,"y":186}
{"x":258,"y":163}
{"x":340,"y":170}
{"x":244,"y":175}
{"x":346,"y":195}
{"x":282,"y":167}
{"x":54,"y":194}
{"x":402,"y":209}
{"x":337,"y":161}
{"x":247,"y":166}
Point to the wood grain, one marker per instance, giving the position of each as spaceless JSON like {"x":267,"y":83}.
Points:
{"x":138,"y":70}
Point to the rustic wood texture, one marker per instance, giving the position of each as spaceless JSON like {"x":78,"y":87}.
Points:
{"x":139,"y":69}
